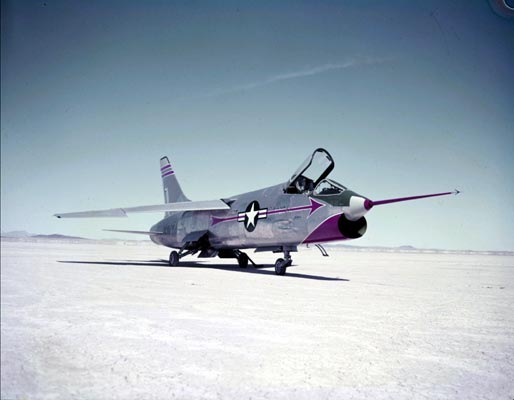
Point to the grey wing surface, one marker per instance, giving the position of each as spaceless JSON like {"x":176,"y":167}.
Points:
{"x":169,"y":207}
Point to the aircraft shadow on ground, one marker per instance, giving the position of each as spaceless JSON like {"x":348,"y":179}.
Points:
{"x":259,"y":269}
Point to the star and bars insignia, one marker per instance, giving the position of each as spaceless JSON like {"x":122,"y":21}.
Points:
{"x":252,"y":214}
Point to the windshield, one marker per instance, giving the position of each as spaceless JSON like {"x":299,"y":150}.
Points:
{"x":313,"y":170}
{"x":328,"y":187}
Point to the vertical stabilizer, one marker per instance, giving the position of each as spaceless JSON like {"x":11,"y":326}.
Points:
{"x":172,"y":190}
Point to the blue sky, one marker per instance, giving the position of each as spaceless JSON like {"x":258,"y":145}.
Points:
{"x":409,"y":98}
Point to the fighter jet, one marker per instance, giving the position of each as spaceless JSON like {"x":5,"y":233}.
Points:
{"x":309,"y":208}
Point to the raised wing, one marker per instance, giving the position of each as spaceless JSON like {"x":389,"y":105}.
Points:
{"x":169,"y":207}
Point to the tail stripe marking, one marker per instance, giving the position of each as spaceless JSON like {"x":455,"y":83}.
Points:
{"x":167,"y":173}
{"x":166,"y":167}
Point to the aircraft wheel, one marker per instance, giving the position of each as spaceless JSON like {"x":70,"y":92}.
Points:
{"x":174,"y":258}
{"x":280,"y":266}
{"x":243,"y":260}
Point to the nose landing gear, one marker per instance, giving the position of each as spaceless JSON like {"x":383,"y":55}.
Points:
{"x":282,"y":263}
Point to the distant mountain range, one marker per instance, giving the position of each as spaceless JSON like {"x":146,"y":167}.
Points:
{"x":16,"y":234}
{"x":25,"y":234}
{"x":57,"y":236}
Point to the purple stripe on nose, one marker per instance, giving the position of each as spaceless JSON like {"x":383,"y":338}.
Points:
{"x":168,"y":173}
{"x":327,"y":231}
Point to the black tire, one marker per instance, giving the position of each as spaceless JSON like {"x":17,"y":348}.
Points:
{"x":280,"y":267}
{"x":242,"y":260}
{"x":174,"y":258}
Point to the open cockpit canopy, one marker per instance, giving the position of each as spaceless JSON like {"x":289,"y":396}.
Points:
{"x":311,"y":172}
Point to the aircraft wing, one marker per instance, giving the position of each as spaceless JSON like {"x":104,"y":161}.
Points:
{"x":168,"y":207}
{"x":150,"y":233}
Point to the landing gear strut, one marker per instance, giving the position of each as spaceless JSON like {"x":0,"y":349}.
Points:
{"x":242,"y":260}
{"x":282,"y":263}
{"x":176,"y":256}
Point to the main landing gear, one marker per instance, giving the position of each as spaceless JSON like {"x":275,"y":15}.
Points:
{"x":242,"y":259}
{"x":176,"y":256}
{"x":282,"y":263}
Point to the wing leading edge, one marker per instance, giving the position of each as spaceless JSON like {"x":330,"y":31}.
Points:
{"x":206,"y":205}
{"x":151,"y":233}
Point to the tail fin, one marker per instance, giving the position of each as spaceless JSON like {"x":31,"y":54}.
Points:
{"x":172,"y":191}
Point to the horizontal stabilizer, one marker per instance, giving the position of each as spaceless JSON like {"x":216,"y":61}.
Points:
{"x":169,"y":207}
{"x":136,"y":232}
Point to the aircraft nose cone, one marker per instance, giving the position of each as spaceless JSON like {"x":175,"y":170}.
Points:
{"x":358,"y":207}
{"x":368,"y":204}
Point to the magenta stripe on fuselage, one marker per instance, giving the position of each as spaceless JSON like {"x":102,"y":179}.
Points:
{"x":265,"y":212}
{"x":313,"y":207}
{"x":217,"y":220}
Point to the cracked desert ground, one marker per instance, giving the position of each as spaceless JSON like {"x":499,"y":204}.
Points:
{"x":93,"y":320}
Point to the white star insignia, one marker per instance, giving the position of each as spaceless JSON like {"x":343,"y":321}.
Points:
{"x":252,"y":214}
